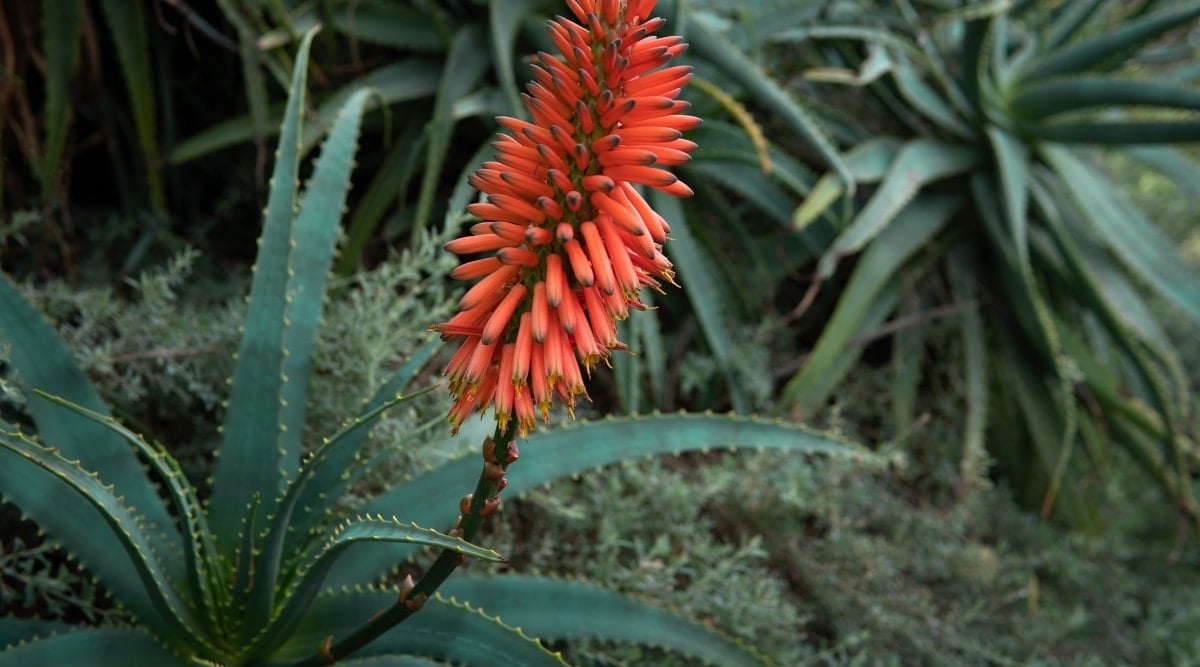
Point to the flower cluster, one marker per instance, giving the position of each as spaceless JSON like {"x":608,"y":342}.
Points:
{"x":573,"y":239}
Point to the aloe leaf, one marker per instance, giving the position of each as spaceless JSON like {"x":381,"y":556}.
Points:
{"x":432,"y":497}
{"x":314,"y":234}
{"x":398,"y":82}
{"x":391,"y":178}
{"x":919,"y":163}
{"x":750,"y":183}
{"x":438,"y":632}
{"x":1077,"y":93}
{"x":1115,"y":133}
{"x":60,"y":32}
{"x":504,"y":18}
{"x":1012,"y":165}
{"x":973,"y":461}
{"x":916,"y":224}
{"x":250,"y":459}
{"x":42,"y":361}
{"x":925,"y":100}
{"x":395,"y":25}
{"x":200,"y":553}
{"x":393,"y":661}
{"x":159,"y":607}
{"x":322,"y":480}
{"x":703,"y":292}
{"x":1150,"y":256}
{"x":17,"y":630}
{"x":973,"y":76}
{"x":734,"y":64}
{"x":1069,"y":21}
{"x":465,"y":66}
{"x":127,"y":28}
{"x":558,"y":609}
{"x":908,"y":358}
{"x":92,"y":647}
{"x":868,"y":162}
{"x":1113,"y":45}
{"x":294,"y":601}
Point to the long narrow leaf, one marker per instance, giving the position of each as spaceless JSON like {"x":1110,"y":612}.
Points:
{"x":313,"y":238}
{"x":432,"y":498}
{"x":249,"y":460}
{"x":160,"y":607}
{"x":42,"y":361}
{"x":60,"y":34}
{"x":127,"y":26}
{"x":558,"y":609}
{"x":908,"y":233}
{"x":92,"y":647}
{"x":1077,"y":93}
{"x":734,"y":64}
{"x":919,"y":163}
{"x":703,"y":292}
{"x":465,"y":66}
{"x":1111,"y":45}
{"x":1127,"y":232}
{"x":445,"y":630}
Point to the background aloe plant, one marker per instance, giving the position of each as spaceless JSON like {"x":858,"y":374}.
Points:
{"x":985,"y":201}
{"x":269,"y":567}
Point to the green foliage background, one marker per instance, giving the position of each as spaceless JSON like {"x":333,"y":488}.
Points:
{"x":139,"y":249}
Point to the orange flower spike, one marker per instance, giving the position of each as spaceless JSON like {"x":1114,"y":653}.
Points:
{"x":568,"y":230}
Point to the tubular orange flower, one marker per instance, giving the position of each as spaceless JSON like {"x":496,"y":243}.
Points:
{"x":574,"y":240}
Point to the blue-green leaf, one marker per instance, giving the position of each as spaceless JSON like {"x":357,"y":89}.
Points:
{"x":558,"y":609}
{"x":249,"y":459}
{"x":158,"y":605}
{"x":1118,"y":223}
{"x":92,"y":647}
{"x":445,"y":630}
{"x":432,"y":497}
{"x":42,"y":361}
{"x":916,"y":224}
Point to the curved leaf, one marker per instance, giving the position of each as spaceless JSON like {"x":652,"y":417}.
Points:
{"x":200,"y":553}
{"x":1111,"y":45}
{"x":160,"y":607}
{"x":42,"y":361}
{"x":432,"y":497}
{"x":1115,"y":133}
{"x":92,"y":647}
{"x":560,"y":609}
{"x":1149,"y":255}
{"x":908,"y":233}
{"x":1077,"y":93}
{"x":295,"y":598}
{"x":918,"y":163}
{"x":17,"y":630}
{"x":504,"y":18}
{"x":465,"y":66}
{"x":444,"y":630}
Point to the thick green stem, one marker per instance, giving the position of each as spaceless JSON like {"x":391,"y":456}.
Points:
{"x":498,"y":454}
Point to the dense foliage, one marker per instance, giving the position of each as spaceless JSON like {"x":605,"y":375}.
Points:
{"x":956,"y":232}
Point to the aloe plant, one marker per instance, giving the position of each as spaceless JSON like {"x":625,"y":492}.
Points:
{"x":267,"y":572}
{"x":994,"y":192}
